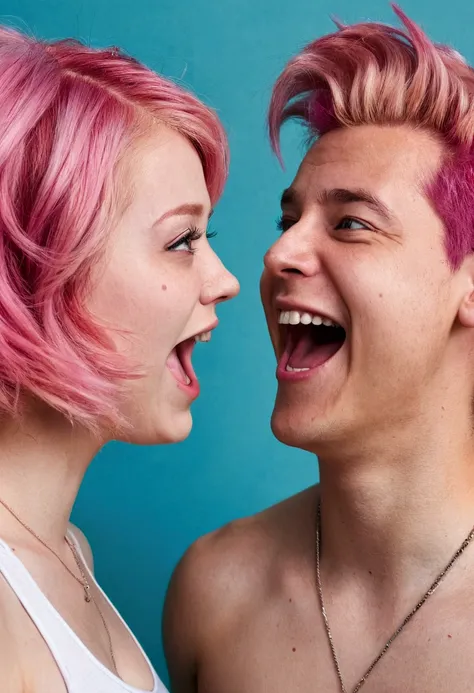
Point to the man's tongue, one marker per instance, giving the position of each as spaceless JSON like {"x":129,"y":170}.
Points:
{"x":310,"y":347}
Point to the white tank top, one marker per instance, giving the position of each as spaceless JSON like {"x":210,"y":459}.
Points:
{"x":81,"y":670}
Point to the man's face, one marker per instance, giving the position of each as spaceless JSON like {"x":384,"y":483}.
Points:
{"x":361,"y":247}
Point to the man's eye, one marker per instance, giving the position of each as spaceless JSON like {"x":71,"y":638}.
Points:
{"x":351,"y":224}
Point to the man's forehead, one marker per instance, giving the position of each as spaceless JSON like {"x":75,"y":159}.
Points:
{"x":370,"y":156}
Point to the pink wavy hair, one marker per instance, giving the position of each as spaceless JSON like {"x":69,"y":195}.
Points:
{"x":67,"y":115}
{"x":371,"y":73}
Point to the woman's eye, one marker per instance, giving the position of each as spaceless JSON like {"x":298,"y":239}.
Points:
{"x":351,"y":224}
{"x":182,"y":244}
{"x":186,"y":242}
{"x":283,"y":223}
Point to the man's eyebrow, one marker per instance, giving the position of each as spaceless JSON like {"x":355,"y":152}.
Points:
{"x":346,"y":196}
{"x":343,"y":196}
{"x":189,"y":209}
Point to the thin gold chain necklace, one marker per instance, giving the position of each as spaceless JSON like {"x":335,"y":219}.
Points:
{"x":83,"y":580}
{"x":405,"y":621}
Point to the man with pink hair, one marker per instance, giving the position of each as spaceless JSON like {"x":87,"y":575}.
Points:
{"x":364,"y":581}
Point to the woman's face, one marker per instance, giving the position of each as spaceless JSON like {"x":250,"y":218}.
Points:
{"x":160,"y":284}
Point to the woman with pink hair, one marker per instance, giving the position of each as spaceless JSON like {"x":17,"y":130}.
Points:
{"x":108,"y":175}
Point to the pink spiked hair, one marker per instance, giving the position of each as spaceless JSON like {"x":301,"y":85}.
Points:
{"x":67,"y":113}
{"x":372,"y":73}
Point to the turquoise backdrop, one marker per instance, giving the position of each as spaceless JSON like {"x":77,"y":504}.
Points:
{"x":142,"y":507}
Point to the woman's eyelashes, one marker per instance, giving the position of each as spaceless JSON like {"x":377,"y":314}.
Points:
{"x":187,"y":242}
{"x":283,"y":224}
{"x":346,"y":224}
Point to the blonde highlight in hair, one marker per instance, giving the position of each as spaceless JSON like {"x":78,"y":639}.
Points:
{"x":375,"y":74}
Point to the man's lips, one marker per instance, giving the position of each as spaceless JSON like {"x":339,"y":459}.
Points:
{"x":305,"y":342}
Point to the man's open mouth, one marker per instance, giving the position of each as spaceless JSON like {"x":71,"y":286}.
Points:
{"x":179,"y":361}
{"x":309,"y":340}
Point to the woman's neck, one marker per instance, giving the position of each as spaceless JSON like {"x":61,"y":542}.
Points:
{"x":43,"y":459}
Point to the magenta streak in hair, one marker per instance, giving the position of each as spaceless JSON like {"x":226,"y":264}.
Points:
{"x":372,"y":73}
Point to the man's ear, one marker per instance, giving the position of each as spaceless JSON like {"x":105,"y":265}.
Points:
{"x":466,"y":307}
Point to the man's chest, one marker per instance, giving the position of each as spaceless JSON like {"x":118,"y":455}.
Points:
{"x":278,"y":657}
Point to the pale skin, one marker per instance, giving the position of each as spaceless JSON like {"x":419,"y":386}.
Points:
{"x":390,"y":420}
{"x":162,"y":294}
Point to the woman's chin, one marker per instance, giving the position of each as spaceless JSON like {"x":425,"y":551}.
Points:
{"x":175,"y":428}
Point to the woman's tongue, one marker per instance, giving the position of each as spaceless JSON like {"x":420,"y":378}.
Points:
{"x":306,"y":351}
{"x":179,"y":362}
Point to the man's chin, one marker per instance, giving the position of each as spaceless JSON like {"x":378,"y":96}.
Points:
{"x":305,"y":429}
{"x":292,"y":431}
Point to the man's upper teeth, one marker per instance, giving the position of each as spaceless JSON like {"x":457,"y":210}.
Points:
{"x":203,"y":337}
{"x":294,"y":317}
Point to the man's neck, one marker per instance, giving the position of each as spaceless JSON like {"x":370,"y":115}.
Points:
{"x":43,"y":461}
{"x":397,"y":513}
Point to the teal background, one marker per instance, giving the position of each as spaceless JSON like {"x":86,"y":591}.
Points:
{"x":142,"y":507}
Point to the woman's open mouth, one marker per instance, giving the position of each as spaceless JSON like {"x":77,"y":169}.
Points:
{"x":180,"y":365}
{"x":309,"y":340}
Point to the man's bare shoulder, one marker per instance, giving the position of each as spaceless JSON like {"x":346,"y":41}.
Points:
{"x":234,"y":561}
{"x":224,"y":575}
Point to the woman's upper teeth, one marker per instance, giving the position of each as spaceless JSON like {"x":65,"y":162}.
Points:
{"x":203,"y":337}
{"x":295,"y":317}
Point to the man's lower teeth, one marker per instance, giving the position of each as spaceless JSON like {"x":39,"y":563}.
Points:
{"x":296,"y":370}
{"x":188,"y":380}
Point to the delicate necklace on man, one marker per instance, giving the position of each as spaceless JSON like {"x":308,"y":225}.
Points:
{"x":83,"y":580}
{"x":405,"y":621}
